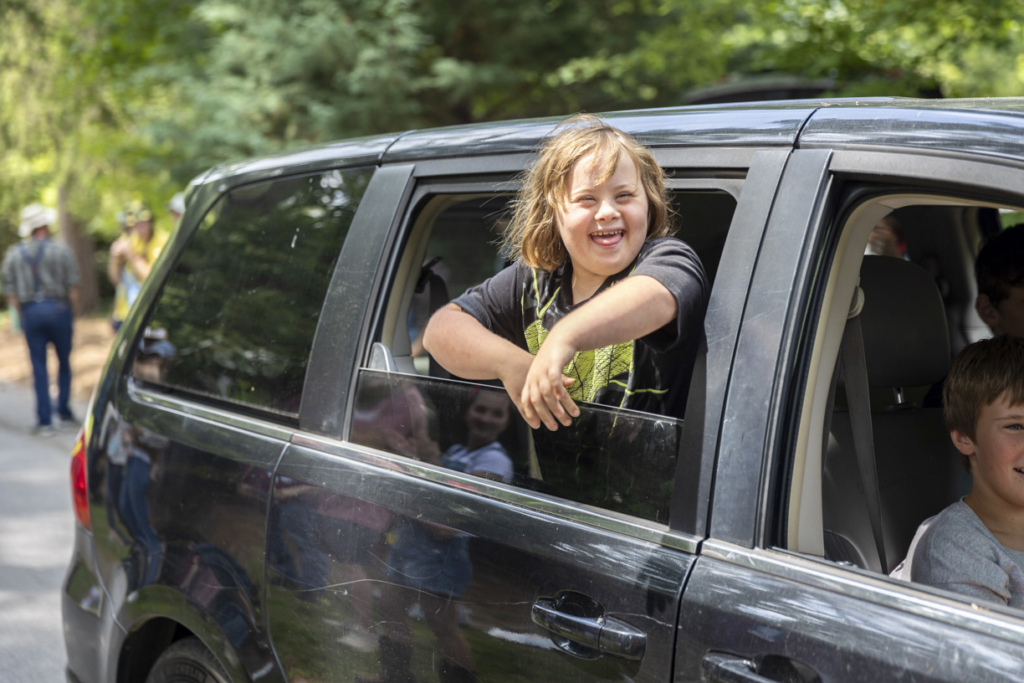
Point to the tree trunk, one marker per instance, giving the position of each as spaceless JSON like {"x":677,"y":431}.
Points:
{"x":82,"y":247}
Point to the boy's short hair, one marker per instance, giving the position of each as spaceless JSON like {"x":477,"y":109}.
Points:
{"x":1000,"y":263}
{"x":533,"y":231}
{"x":983,"y":372}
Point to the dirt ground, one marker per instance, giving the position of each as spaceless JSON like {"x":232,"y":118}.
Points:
{"x":89,"y":349}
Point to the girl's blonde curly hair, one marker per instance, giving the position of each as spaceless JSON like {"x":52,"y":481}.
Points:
{"x":533,"y":231}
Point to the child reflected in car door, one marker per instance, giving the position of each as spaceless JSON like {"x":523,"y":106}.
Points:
{"x":975,"y":546}
{"x":600,"y":304}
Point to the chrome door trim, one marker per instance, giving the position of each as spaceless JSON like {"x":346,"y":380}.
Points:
{"x":863,"y":585}
{"x":197,"y":410}
{"x":549,"y":505}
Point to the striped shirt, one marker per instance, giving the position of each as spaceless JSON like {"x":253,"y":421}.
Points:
{"x":54,"y":273}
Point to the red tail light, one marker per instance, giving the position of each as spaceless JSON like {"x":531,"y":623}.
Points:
{"x":79,"y":482}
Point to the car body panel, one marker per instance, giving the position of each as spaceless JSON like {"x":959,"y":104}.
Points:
{"x":180,"y":547}
{"x":342,"y":323}
{"x":356,"y":152}
{"x":701,"y":432}
{"x":940,"y":127}
{"x":775,"y":611}
{"x":695,"y":126}
{"x":485,"y":624}
{"x":739,"y":473}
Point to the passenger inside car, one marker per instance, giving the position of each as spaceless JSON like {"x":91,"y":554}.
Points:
{"x":593,"y":213}
{"x":976,"y":545}
{"x":1000,"y":272}
{"x":893,"y":466}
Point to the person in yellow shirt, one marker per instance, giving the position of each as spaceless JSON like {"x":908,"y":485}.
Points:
{"x":132,"y":256}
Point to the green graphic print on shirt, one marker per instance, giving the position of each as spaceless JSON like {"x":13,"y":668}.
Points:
{"x":600,"y":372}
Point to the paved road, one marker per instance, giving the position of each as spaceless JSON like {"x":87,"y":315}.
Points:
{"x":36,"y":533}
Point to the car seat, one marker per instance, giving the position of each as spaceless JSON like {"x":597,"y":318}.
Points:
{"x":906,"y":345}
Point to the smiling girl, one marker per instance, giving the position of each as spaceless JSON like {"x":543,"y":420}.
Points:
{"x":600,"y":304}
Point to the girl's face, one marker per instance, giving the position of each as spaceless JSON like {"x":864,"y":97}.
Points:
{"x":487,"y":418}
{"x":603,"y":225}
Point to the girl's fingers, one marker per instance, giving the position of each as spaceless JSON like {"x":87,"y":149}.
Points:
{"x":570,"y":407}
{"x":554,"y":404}
{"x":537,"y":410}
{"x":544,"y":413}
{"x":544,"y":407}
{"x":526,"y":409}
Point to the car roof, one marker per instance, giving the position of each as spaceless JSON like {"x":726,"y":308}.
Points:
{"x":990,"y":126}
{"x":987,"y":126}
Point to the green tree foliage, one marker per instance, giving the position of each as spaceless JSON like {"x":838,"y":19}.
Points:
{"x":106,"y":100}
{"x":276,"y":73}
{"x":959,"y":48}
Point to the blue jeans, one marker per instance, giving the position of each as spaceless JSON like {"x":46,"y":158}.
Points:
{"x":49,"y":322}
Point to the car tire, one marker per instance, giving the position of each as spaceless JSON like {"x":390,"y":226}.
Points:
{"x":187,"y":661}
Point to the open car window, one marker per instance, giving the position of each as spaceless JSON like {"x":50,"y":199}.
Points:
{"x":901,"y":280}
{"x":617,"y":460}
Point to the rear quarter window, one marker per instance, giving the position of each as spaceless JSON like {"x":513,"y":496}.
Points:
{"x":236,"y":318}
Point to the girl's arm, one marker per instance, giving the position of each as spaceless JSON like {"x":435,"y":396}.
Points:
{"x":467,"y":349}
{"x":631,"y":309}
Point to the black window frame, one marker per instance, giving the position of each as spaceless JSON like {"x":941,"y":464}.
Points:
{"x":852,"y":178}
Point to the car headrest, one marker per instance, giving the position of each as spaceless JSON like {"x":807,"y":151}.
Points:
{"x":906,"y":340}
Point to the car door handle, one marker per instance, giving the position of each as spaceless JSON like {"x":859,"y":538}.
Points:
{"x":605,"y":635}
{"x":722,"y":668}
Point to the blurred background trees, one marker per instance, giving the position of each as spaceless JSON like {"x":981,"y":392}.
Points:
{"x":102,"y":101}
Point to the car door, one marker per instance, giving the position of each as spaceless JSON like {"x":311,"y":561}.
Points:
{"x":765,"y":601}
{"x":384,"y":563}
{"x":206,"y":393}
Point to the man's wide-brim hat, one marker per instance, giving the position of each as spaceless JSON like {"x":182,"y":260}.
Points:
{"x":33,"y":217}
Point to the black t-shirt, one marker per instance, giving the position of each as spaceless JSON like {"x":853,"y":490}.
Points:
{"x":521,"y":304}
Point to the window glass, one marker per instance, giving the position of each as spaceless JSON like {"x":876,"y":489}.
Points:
{"x":236,"y":318}
{"x":618,"y":460}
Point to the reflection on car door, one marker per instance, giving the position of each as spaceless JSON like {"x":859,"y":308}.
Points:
{"x":384,"y":568}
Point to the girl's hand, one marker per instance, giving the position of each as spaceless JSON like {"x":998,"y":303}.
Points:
{"x":544,"y":398}
{"x":513,"y":376}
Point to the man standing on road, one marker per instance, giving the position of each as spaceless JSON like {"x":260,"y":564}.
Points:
{"x":40,"y":279}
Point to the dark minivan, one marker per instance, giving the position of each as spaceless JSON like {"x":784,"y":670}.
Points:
{"x":259,"y":485}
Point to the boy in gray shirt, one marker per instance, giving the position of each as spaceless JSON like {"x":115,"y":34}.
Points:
{"x":976,"y":546}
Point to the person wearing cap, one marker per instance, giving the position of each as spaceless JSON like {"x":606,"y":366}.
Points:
{"x":132,"y":256}
{"x":40,"y":279}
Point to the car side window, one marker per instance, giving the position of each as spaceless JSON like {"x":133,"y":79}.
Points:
{"x":618,"y":460}
{"x":902,"y":282}
{"x":236,"y":318}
